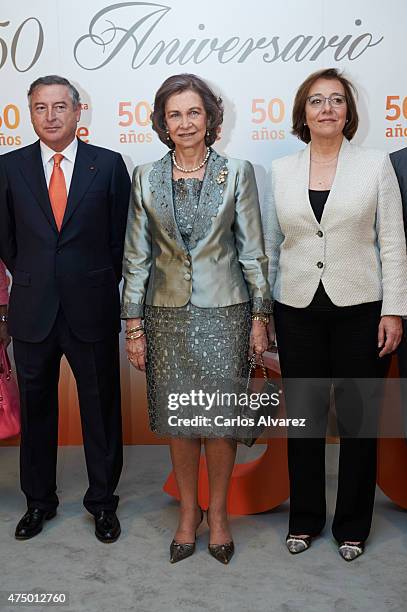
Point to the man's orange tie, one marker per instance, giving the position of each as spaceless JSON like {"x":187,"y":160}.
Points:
{"x":57,"y":190}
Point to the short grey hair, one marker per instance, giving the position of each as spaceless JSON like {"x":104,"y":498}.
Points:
{"x":54,"y":79}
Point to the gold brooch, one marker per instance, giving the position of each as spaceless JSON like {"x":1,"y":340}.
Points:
{"x":222,"y":176}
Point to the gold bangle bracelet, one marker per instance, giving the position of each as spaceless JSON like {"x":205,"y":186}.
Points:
{"x":135,"y":337}
{"x":134,"y":329}
{"x":262,"y":318}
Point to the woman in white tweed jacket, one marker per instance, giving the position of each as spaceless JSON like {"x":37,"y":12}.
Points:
{"x":338,"y":272}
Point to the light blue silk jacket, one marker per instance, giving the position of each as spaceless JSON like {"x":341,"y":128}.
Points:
{"x":225,"y":263}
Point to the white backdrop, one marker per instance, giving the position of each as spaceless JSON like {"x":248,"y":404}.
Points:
{"x":254,"y":54}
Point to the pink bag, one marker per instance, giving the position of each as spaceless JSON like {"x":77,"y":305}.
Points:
{"x":9,"y":399}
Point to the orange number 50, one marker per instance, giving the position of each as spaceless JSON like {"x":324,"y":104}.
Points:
{"x":273,"y":110}
{"x":139,"y":114}
{"x":393,"y":106}
{"x":11,"y":121}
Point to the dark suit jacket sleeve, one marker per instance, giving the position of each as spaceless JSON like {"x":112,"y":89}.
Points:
{"x":399,"y":161}
{"x":8,"y":247}
{"x":119,"y":204}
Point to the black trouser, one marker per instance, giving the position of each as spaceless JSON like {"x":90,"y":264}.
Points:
{"x":402,"y":363}
{"x":324,"y":341}
{"x":96,"y":370}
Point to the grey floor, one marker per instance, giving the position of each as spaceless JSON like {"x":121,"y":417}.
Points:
{"x":134,"y":573}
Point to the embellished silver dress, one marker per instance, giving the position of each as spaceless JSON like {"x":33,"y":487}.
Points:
{"x":191,"y":349}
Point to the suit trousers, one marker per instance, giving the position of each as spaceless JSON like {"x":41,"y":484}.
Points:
{"x":402,"y":363}
{"x":326,"y":342}
{"x":95,"y":366}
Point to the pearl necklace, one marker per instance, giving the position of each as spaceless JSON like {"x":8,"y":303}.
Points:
{"x":186,"y":170}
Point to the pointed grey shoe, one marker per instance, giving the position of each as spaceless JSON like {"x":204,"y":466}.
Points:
{"x":222,"y":552}
{"x":180,"y":551}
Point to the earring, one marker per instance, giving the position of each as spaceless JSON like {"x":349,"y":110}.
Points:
{"x":305,"y":123}
{"x":207,"y":132}
{"x":168,"y":134}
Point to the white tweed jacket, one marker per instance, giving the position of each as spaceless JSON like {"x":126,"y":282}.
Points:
{"x":358,"y":249}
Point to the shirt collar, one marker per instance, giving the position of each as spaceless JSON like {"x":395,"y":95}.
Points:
{"x":69,"y":152}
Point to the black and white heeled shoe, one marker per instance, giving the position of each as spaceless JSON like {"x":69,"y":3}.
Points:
{"x":351,"y":550}
{"x":298,"y":544}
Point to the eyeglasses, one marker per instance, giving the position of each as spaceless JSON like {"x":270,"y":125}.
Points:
{"x":318,"y":101}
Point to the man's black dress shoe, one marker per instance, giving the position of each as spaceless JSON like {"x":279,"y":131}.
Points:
{"x":107,"y":526}
{"x":32,"y":522}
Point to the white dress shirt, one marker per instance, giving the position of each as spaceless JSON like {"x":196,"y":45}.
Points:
{"x":67,"y":164}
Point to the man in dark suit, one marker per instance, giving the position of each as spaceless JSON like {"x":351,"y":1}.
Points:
{"x":399,"y":161}
{"x":63,"y":211}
